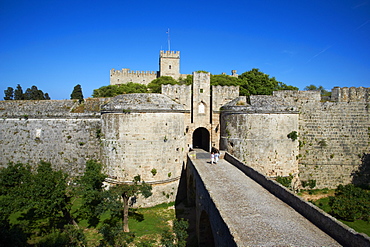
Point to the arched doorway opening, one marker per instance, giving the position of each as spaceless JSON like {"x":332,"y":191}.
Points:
{"x":201,"y":139}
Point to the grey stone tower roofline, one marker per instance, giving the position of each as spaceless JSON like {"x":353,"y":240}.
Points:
{"x":259,"y":104}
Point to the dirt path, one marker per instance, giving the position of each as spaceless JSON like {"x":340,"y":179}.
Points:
{"x":307,"y":197}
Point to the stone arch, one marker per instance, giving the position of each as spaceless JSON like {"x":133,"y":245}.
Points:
{"x":205,"y":235}
{"x":201,"y":139}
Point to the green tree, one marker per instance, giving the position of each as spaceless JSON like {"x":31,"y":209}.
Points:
{"x":120,"y":195}
{"x":315,"y":88}
{"x":179,"y":235}
{"x":350,"y":203}
{"x":114,"y":236}
{"x":255,"y":82}
{"x":9,"y":93}
{"x":188,"y":80}
{"x":18,"y":93}
{"x":77,"y":93}
{"x":90,"y":190}
{"x":114,"y":90}
{"x":47,"y":198}
{"x":224,"y":80}
{"x":156,"y":85}
{"x":33,"y":93}
{"x":12,"y":180}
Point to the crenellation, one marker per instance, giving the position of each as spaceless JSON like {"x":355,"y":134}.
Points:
{"x":173,"y":54}
{"x":345,"y":94}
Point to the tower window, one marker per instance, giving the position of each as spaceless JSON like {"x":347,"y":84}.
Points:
{"x":169,"y":66}
{"x":201,"y":90}
{"x":201,"y":107}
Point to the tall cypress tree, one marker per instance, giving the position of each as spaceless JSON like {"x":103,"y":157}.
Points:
{"x":9,"y":93}
{"x":77,"y":93}
{"x":18,"y":93}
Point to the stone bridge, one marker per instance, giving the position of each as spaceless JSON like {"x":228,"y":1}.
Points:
{"x":237,"y":206}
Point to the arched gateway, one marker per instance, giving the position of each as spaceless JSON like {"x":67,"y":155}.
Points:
{"x":201,"y":139}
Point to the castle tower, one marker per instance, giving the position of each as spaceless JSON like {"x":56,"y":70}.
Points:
{"x":201,"y":98}
{"x":169,"y":64}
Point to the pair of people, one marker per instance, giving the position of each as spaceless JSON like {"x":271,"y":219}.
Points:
{"x":214,"y":157}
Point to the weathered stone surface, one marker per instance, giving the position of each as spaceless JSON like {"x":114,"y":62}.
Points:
{"x":141,"y":102}
{"x":251,"y":214}
{"x":143,"y":134}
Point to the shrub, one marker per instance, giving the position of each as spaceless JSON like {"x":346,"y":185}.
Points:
{"x":350,"y":203}
{"x":154,"y":171}
{"x":293,"y":135}
{"x":310,"y":183}
{"x":285,"y":181}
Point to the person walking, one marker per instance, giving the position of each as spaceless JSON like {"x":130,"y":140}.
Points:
{"x":212,"y":157}
{"x":217,"y":155}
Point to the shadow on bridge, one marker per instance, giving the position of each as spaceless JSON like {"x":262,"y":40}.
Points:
{"x":230,"y":204}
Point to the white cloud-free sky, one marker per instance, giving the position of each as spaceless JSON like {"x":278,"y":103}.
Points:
{"x":58,"y":44}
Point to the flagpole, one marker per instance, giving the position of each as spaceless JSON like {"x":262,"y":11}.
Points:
{"x":169,"y":41}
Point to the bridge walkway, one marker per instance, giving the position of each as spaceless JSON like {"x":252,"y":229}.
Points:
{"x":254,"y":216}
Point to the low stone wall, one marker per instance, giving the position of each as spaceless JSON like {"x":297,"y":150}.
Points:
{"x":337,"y":230}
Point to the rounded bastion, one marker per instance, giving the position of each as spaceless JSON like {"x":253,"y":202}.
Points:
{"x":143,"y":134}
{"x":257,"y":133}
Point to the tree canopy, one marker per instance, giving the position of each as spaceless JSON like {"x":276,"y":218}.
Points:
{"x":43,"y":203}
{"x":77,"y":93}
{"x":253,"y":82}
{"x":156,"y":85}
{"x":9,"y":93}
{"x":114,"y":90}
{"x":32,"y":93}
{"x":317,"y":88}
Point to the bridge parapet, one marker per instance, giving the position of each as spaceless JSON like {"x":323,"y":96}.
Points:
{"x":240,"y":207}
{"x":336,"y":229}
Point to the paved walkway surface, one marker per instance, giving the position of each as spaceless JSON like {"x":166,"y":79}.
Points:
{"x":255,"y":217}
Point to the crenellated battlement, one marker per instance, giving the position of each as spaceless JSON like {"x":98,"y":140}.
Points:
{"x":126,"y":75}
{"x":166,"y":89}
{"x":179,"y":93}
{"x":172,"y":54}
{"x":352,"y":94}
{"x":226,"y":89}
{"x":131,"y":72}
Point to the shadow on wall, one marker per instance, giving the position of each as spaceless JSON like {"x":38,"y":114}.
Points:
{"x":361,"y":177}
{"x":185,"y":206}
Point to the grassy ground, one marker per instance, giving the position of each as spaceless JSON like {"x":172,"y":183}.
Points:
{"x":321,"y":199}
{"x":147,"y":224}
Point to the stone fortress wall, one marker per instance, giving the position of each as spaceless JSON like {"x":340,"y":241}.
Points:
{"x":61,"y":132}
{"x":334,"y":135}
{"x":256,"y":133}
{"x":126,"y":75}
{"x":143,"y":134}
{"x":150,"y":134}
{"x":169,"y":65}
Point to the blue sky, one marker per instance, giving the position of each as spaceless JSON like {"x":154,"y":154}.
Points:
{"x":56,"y":45}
